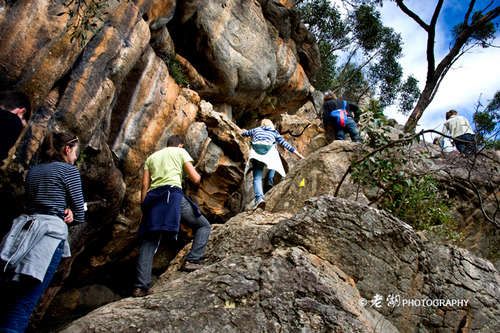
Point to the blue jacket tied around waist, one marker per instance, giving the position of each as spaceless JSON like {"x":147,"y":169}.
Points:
{"x":162,"y":210}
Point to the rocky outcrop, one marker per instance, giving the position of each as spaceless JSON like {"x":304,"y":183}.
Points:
{"x":314,"y":271}
{"x":472,"y":188}
{"x":102,"y":72}
{"x":319,"y":174}
{"x":250,"y":52}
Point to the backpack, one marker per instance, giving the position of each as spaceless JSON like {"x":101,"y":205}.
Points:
{"x":340,"y":115}
{"x":261,"y":149}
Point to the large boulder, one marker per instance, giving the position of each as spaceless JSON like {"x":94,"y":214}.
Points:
{"x":315,"y":271}
{"x":317,"y":175}
{"x":250,"y":50}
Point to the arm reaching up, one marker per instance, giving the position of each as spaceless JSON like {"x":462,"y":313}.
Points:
{"x":193,"y":175}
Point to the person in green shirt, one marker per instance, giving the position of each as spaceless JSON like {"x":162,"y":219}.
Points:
{"x":164,"y":206}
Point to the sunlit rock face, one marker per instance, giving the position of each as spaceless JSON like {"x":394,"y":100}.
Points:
{"x":249,"y":52}
{"x":103,"y":74}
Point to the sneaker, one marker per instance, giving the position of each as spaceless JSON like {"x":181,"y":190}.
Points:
{"x":261,"y":203}
{"x":190,"y":266}
{"x":139,"y":292}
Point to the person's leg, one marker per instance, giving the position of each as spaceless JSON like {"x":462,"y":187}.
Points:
{"x":257,"y":170}
{"x":24,"y":298}
{"x":468,"y":144}
{"x":201,"y":229}
{"x":460,"y":146}
{"x":352,"y":129}
{"x":270,"y":177}
{"x":339,"y":133}
{"x":149,"y":246}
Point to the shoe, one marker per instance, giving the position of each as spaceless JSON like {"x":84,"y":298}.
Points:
{"x":139,"y":292}
{"x":261,"y":203}
{"x":190,"y":266}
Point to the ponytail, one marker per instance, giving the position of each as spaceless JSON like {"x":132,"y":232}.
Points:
{"x":54,"y":144}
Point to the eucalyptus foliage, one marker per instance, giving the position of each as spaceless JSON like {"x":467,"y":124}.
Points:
{"x":359,"y":54}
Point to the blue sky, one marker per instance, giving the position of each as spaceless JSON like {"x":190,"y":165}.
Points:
{"x":475,"y":74}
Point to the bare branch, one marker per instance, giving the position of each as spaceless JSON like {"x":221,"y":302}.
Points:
{"x":469,"y":11}
{"x":412,"y":14}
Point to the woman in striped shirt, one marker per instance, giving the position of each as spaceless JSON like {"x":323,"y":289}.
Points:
{"x":264,"y":153}
{"x":33,"y":248}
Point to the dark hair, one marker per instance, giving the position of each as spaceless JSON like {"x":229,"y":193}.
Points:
{"x":450,"y":113}
{"x":54,"y":143}
{"x":11,"y":99}
{"x":174,"y":141}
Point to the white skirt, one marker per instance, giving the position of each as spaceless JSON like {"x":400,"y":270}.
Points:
{"x":271,"y":159}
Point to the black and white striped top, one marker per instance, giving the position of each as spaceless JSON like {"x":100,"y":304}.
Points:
{"x":268,"y":135}
{"x":53,"y":187}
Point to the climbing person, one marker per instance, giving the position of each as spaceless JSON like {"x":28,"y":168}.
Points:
{"x":15,"y":109}
{"x":164,"y":207}
{"x":263,"y":153}
{"x":459,"y":129}
{"x":32,"y":249}
{"x":338,"y":115}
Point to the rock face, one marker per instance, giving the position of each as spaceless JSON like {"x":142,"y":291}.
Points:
{"x":249,"y":52}
{"x":319,"y":174}
{"x":272,"y":272}
{"x":106,"y":74}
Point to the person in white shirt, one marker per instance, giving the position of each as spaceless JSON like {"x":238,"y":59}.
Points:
{"x":459,"y":129}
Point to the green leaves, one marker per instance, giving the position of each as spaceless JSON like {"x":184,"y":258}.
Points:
{"x":486,"y":120}
{"x":409,"y":94}
{"x":368,"y":27}
{"x":483,"y":32}
{"x":414,"y":198}
{"x":175,"y":70}
{"x":359,"y":55}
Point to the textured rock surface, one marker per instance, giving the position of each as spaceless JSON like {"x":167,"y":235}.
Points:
{"x":269,"y":272}
{"x":317,"y":175}
{"x":110,"y":85}
{"x":249,"y":51}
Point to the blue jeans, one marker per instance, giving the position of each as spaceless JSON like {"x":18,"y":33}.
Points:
{"x":467,"y":145}
{"x":151,"y":241}
{"x":21,"y":298}
{"x":257,"y":171}
{"x":351,"y":128}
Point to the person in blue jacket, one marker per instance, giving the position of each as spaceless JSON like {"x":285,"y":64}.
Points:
{"x":339,"y":114}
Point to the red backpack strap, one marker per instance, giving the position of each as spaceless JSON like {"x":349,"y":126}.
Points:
{"x":343,"y":116}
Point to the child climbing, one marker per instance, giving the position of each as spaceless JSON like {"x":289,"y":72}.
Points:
{"x":263,"y":152}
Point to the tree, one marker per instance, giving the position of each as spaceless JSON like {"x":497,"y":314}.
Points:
{"x":476,"y":29}
{"x":486,"y":121}
{"x":359,"y":54}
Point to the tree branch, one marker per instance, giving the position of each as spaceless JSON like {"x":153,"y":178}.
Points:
{"x":469,"y":11}
{"x":412,"y":14}
{"x":431,"y":39}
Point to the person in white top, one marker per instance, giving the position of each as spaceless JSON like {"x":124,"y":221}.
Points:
{"x":459,"y":129}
